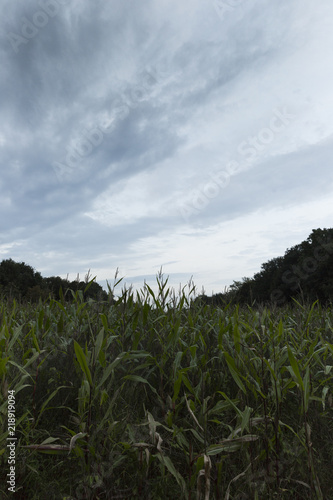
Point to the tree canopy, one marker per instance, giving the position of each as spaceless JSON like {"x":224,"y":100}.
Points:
{"x":20,"y":281}
{"x":305,"y":270}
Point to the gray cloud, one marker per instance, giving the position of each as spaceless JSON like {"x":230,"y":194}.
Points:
{"x":113,"y":114}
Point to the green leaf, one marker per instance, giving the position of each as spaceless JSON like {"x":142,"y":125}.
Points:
{"x":245,"y":418}
{"x":220,"y":407}
{"x":323,"y":396}
{"x":171,"y":468}
{"x":270,"y":369}
{"x":294,"y":369}
{"x":50,"y":440}
{"x":215,"y":449}
{"x":236,"y":338}
{"x":104,"y":397}
{"x":98,"y":344}
{"x":104,"y":322}
{"x":151,"y":292}
{"x":193,"y":350}
{"x":41,"y":411}
{"x":16,"y":334}
{"x":137,"y":378}
{"x":197,"y":435}
{"x":3,"y":363}
{"x":187,"y":383}
{"x":306,"y":383}
{"x":21,"y":368}
{"x":177,"y":361}
{"x":234,"y":371}
{"x":83,"y":362}
{"x":89,"y":284}
{"x":239,"y":412}
{"x":109,"y":370}
{"x":280,"y":330}
{"x":34,"y":338}
{"x":230,"y":445}
{"x":40,"y":319}
{"x":176,"y":387}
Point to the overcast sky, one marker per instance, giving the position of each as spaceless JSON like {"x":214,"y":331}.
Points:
{"x":195,"y":135}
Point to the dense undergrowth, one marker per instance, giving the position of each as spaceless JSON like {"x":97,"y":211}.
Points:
{"x":159,"y":397}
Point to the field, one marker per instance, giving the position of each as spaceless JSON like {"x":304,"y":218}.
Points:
{"x":155,"y":396}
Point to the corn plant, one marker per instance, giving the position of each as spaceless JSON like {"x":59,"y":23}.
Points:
{"x":153,"y":395}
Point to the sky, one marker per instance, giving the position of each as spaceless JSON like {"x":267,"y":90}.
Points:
{"x":189,"y":136}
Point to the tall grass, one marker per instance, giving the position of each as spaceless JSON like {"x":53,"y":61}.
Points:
{"x":156,"y":396}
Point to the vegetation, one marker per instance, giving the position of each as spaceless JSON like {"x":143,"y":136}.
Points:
{"x":304,"y":272}
{"x":160,"y":397}
{"x":20,"y":281}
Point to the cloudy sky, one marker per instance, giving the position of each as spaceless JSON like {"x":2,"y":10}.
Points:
{"x":195,"y":135}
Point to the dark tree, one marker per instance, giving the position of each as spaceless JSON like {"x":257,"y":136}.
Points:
{"x":305,"y":270}
{"x":17,"y":278}
{"x":20,"y":281}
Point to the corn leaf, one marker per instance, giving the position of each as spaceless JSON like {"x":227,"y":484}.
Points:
{"x":83,"y":362}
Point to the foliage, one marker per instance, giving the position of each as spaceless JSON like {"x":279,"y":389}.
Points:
{"x":20,"y":281}
{"x":305,"y":272}
{"x":161,"y":397}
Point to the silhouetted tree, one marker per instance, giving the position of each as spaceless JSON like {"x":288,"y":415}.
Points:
{"x":305,"y":269}
{"x":16,"y":278}
{"x":19,"y":280}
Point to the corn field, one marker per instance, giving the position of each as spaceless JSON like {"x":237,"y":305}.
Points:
{"x":155,"y":396}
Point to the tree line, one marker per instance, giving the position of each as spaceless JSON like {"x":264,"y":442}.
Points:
{"x":304,"y":272}
{"x":21,"y":282}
